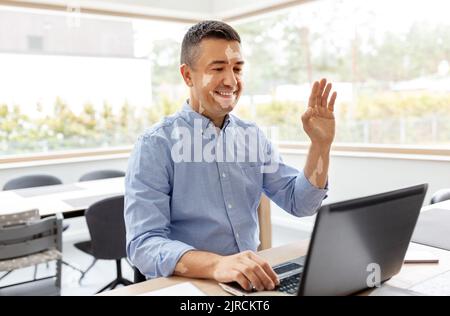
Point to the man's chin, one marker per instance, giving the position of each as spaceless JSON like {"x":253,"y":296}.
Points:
{"x":225,"y":104}
{"x":227,"y":108}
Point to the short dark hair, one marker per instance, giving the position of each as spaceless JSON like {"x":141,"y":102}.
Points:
{"x":204,"y":30}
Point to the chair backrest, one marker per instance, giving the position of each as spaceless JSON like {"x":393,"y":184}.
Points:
{"x":18,"y":239}
{"x":106,"y":226}
{"x":101,"y":174}
{"x":440,"y":196}
{"x":30,"y":181}
{"x":17,"y":218}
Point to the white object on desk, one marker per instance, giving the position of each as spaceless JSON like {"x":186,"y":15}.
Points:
{"x":182,"y":289}
{"x":416,"y":256}
{"x":437,"y":286}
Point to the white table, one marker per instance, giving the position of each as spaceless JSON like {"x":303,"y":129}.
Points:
{"x":69,"y":199}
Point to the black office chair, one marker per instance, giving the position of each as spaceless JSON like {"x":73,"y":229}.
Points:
{"x":107,"y":229}
{"x":32,"y":181}
{"x":90,"y":176}
{"x":138,"y":276}
{"x":101,"y":174}
{"x":440,"y":196}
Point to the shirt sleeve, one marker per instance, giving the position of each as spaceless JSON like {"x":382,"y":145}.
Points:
{"x":288,"y":187}
{"x":147,"y":209}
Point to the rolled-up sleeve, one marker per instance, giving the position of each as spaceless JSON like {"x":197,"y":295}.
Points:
{"x":147,"y":209}
{"x":289,"y":188}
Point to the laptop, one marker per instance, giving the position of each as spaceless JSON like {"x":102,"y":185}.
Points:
{"x":355,"y":245}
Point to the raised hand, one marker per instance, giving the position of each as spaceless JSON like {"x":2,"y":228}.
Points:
{"x":318,"y":120}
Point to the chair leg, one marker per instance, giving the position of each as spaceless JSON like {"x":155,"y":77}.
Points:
{"x":4,"y":275}
{"x":86,"y":271}
{"x":58,"y":275}
{"x":116,"y":283}
{"x":72,"y":266}
{"x":119,"y":269}
{"x":35,"y":272}
{"x":125,"y":282}
{"x":119,"y":279}
{"x":113,"y":283}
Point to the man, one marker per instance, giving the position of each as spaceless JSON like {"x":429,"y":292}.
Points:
{"x":187,"y":214}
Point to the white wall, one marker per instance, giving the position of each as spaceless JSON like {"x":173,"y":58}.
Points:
{"x":68,"y":172}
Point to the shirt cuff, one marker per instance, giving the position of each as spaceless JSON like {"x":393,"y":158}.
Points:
{"x":167,"y":263}
{"x":313,"y":187}
{"x":309,"y":196}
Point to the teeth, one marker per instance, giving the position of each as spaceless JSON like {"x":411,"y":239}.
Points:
{"x":225,"y":93}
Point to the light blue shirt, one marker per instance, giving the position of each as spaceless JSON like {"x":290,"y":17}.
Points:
{"x":180,"y":200}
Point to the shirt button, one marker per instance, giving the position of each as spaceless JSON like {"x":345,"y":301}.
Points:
{"x":224,"y":175}
{"x":230,"y":206}
{"x":237,"y":235}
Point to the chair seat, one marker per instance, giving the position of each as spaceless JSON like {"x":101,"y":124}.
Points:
{"x":85,"y":246}
{"x":30,"y":260}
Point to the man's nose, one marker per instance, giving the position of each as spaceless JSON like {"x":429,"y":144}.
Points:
{"x":230,"y":79}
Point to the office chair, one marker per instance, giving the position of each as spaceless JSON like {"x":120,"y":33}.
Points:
{"x":138,"y":276}
{"x":27,"y":240}
{"x":440,"y":196}
{"x":90,"y":176}
{"x":101,"y":174}
{"x":107,"y":229}
{"x":32,"y":181}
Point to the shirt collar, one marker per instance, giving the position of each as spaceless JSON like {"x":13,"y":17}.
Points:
{"x":190,"y":115}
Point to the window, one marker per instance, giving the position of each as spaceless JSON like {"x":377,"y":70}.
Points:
{"x":72,"y":81}
{"x":388,"y":60}
{"x":78,"y":82}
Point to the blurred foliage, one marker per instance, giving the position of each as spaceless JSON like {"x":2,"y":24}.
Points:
{"x":417,"y":118}
{"x":388,"y":118}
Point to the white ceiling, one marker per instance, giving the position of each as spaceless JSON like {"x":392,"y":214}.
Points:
{"x":188,"y":10}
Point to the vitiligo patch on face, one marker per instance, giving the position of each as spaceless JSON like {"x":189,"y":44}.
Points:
{"x":232,"y":54}
{"x":206,"y":80}
{"x":201,"y":108}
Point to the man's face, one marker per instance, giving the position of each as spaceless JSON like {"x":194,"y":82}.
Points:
{"x":216,"y":77}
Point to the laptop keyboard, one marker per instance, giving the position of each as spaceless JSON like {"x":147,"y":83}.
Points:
{"x":290,"y":284}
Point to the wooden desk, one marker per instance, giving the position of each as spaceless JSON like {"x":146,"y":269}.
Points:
{"x":410,"y":274}
{"x":273,"y":256}
{"x":69,"y":199}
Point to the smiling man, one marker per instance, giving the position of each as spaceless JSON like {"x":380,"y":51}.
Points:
{"x":193,"y":184}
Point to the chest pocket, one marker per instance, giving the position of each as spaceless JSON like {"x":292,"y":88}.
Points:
{"x":252,"y":177}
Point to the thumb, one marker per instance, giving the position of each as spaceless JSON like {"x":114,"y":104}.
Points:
{"x":307,"y":115}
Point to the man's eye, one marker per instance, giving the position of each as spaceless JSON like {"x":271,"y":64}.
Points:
{"x":217,"y":69}
{"x":238,"y":70}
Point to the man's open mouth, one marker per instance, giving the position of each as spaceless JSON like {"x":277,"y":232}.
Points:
{"x":225,"y":94}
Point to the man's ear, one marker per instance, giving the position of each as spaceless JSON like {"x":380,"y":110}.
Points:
{"x":186,"y":73}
